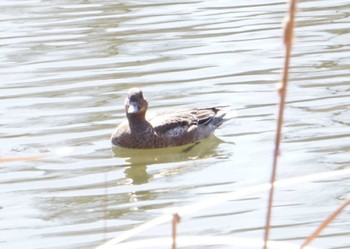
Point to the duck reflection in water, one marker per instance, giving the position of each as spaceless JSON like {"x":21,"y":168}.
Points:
{"x":140,"y":159}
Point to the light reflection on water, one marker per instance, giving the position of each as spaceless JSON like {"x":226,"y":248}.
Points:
{"x":66,"y":67}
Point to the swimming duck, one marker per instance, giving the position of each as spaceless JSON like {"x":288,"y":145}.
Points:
{"x":167,"y":129}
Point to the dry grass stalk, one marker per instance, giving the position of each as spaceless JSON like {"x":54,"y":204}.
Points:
{"x":176,"y":220}
{"x":325,"y":224}
{"x":59,"y":152}
{"x":23,"y":158}
{"x":288,"y":40}
{"x":217,"y":200}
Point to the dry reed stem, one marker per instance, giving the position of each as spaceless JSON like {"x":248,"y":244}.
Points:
{"x":325,"y":224}
{"x":176,"y":220}
{"x":288,"y":40}
{"x":218,"y":199}
{"x":23,"y":158}
{"x":59,"y":152}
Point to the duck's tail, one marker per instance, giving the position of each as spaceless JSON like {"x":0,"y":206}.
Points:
{"x":223,"y":114}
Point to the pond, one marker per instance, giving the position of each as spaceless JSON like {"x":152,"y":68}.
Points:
{"x":66,"y":67}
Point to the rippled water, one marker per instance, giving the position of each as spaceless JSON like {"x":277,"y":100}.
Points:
{"x":66,"y":67}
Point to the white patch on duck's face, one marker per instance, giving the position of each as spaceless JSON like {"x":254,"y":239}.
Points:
{"x":133,"y":107}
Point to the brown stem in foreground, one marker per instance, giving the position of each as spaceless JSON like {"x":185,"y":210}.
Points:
{"x":325,"y":224}
{"x":176,"y":220}
{"x":23,"y":158}
{"x":288,"y":40}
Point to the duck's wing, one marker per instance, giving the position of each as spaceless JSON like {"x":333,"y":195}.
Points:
{"x":181,"y":121}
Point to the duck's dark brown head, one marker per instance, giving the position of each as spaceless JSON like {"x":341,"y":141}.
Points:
{"x":135,"y":104}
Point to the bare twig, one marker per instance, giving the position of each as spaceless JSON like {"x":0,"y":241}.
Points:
{"x":325,"y":224}
{"x":288,"y":40}
{"x":176,"y":220}
{"x":24,"y":158}
{"x":219,"y":199}
{"x":59,"y":152}
{"x":105,"y":206}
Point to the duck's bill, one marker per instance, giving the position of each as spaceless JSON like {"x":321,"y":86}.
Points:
{"x":133,"y":108}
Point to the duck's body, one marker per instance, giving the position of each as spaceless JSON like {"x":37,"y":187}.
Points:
{"x":173,"y":128}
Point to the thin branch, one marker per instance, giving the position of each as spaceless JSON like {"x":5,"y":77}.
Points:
{"x":23,"y":158}
{"x":288,"y":40}
{"x":219,"y":199}
{"x":176,"y":220}
{"x":325,"y":224}
{"x":59,"y":152}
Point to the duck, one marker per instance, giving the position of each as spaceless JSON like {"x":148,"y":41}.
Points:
{"x":168,"y":128}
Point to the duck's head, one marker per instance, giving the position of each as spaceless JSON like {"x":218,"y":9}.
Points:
{"x":135,"y":104}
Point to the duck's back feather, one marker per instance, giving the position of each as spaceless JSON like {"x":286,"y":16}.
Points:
{"x":181,"y":121}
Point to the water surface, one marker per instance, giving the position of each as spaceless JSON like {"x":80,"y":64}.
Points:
{"x":66,"y":67}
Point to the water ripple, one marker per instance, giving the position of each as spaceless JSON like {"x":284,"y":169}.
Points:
{"x":66,"y":67}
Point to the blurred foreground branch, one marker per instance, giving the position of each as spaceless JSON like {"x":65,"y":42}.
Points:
{"x":282,"y":90}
